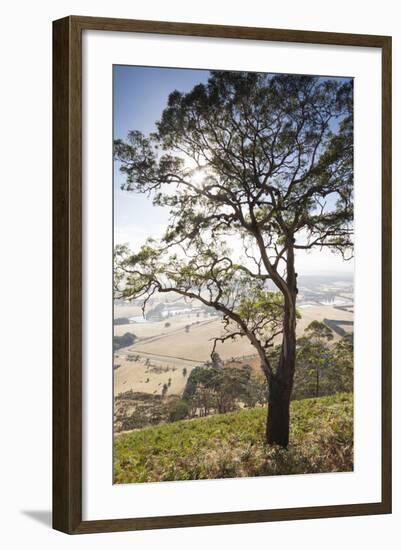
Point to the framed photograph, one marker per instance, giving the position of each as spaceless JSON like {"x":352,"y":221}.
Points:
{"x":222,"y":275}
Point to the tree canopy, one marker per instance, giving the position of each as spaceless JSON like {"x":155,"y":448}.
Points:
{"x":267,"y":159}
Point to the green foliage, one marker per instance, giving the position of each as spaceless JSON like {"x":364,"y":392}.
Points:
{"x":318,"y":331}
{"x":323,"y":369}
{"x":262,"y":311}
{"x":217,"y":388}
{"x":342,"y":358}
{"x":260,"y":303}
{"x":199,"y":375}
{"x":178,"y":410}
{"x":232,"y":445}
{"x":256,"y":393}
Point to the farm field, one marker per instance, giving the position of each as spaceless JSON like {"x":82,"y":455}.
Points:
{"x":232,"y":445}
{"x":161,"y":353}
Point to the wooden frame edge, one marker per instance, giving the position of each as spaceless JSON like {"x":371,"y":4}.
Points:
{"x":67,"y":310}
{"x":228,"y":518}
{"x":67,"y":275}
{"x":386,"y":273}
{"x":227,"y":31}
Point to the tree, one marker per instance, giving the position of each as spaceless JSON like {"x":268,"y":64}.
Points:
{"x":202,"y":401}
{"x":230,"y":385}
{"x":314,"y":353}
{"x":262,"y":161}
{"x":342,"y":358}
{"x":218,"y":389}
{"x":177,"y":410}
{"x":256,"y":393}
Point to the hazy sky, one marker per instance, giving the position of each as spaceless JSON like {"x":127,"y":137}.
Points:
{"x":140,"y":95}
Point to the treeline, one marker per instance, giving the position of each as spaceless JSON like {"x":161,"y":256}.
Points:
{"x":323,"y":369}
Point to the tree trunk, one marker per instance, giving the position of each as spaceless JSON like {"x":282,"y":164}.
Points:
{"x":280,"y":387}
{"x":278,"y":415}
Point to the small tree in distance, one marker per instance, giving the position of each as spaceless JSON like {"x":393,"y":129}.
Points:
{"x":265,"y":161}
{"x":314,"y":352}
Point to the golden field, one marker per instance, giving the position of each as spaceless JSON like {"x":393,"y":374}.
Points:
{"x":161,"y":352}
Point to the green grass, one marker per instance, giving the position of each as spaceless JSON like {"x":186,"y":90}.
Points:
{"x":232,"y":445}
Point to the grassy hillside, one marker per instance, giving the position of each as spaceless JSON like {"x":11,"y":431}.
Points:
{"x":231,"y":445}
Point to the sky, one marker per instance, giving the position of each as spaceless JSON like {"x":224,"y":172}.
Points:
{"x":139,"y":96}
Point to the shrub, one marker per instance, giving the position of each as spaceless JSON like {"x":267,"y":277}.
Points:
{"x":178,"y":410}
{"x":123,"y":341}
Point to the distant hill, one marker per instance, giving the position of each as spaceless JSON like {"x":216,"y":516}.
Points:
{"x":232,"y":445}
